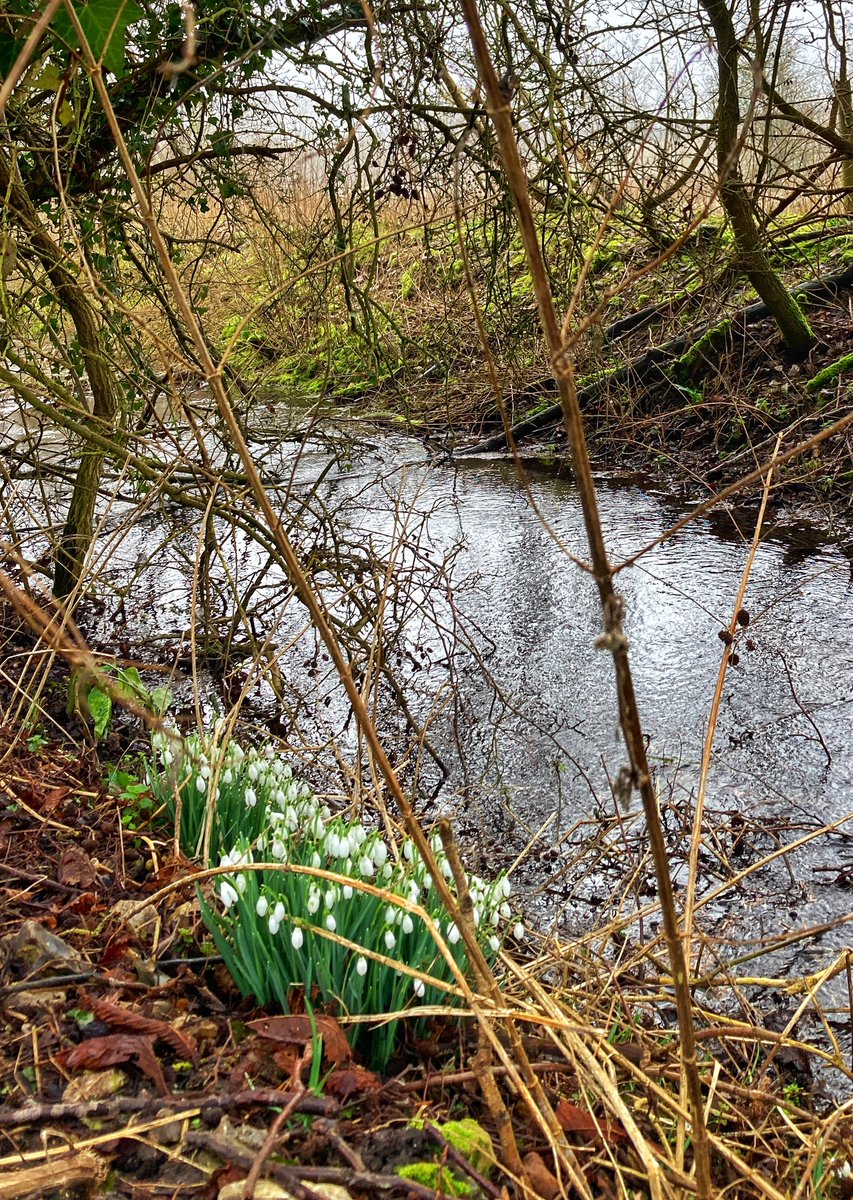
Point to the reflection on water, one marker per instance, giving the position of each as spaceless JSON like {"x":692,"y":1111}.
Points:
{"x":528,"y":729}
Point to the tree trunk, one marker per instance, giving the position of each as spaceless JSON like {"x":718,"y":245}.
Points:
{"x":793,"y":325}
{"x":76,"y":535}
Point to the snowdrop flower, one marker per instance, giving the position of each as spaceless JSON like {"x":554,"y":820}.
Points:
{"x":408,"y":850}
{"x":361,"y":965}
{"x":250,"y":797}
{"x":346,"y":892}
{"x":330,"y":897}
{"x":204,"y":771}
{"x":262,"y":906}
{"x":390,"y":940}
{"x":418,"y":987}
{"x":237,"y":752}
{"x":253,"y":771}
{"x":168,"y":758}
{"x":313,"y":902}
{"x":279,"y":850}
{"x":227,"y":776}
{"x":494,"y":943}
{"x":297,"y":938}
{"x":333,"y":845}
{"x":280,"y":799}
{"x":228,"y":894}
{"x":518,"y":931}
{"x":273,"y":925}
{"x":387,"y":871}
{"x":494,"y":917}
{"x":407,"y":923}
{"x":331,"y":923}
{"x":240,"y":883}
{"x":505,"y":886}
{"x":379,"y":853}
{"x":446,"y":869}
{"x":279,"y":912}
{"x":366,"y":867}
{"x":453,"y":934}
{"x":505,"y":911}
{"x":475,"y":916}
{"x":414,"y":892}
{"x":316,"y":861}
{"x":390,"y":914}
{"x":359,"y":833}
{"x":201,"y":784}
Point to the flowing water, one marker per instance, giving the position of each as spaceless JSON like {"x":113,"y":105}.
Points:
{"x":493,"y":627}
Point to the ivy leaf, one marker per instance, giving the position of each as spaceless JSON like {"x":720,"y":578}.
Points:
{"x":104,"y":22}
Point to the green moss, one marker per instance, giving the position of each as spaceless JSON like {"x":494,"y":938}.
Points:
{"x":472,"y":1140}
{"x":711,"y":341}
{"x":829,"y":374}
{"x":437,"y":1177}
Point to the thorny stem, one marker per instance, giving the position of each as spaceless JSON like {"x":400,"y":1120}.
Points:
{"x":613,"y":639}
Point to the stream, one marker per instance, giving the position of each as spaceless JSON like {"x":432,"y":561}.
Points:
{"x":492,"y":628}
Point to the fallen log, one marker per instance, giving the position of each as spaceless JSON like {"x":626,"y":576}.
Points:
{"x":641,"y":370}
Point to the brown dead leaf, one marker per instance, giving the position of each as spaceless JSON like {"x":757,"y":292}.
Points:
{"x":541,"y":1180}
{"x":296,"y":1030}
{"x":76,"y":869}
{"x":98,"y":1053}
{"x":50,"y":801}
{"x":352,"y":1079}
{"x":118,"y":1017}
{"x":578,"y":1120}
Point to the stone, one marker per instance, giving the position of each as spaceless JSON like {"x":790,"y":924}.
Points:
{"x":36,"y":953}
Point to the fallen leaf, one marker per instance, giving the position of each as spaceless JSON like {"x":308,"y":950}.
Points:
{"x":541,"y":1180}
{"x":132,"y":1022}
{"x":296,"y":1030}
{"x":76,"y":868}
{"x":578,"y":1120}
{"x":97,"y":1053}
{"x":353,"y":1078}
{"x":51,"y":800}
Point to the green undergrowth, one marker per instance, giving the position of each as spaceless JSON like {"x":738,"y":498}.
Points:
{"x":314,"y":900}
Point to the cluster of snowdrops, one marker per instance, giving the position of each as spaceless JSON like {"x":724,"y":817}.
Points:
{"x":339,"y":909}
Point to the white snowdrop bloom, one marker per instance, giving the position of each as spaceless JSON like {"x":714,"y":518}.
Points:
{"x":518,"y":931}
{"x":505,"y":911}
{"x":261,"y":843}
{"x":494,"y":943}
{"x":347,"y":867}
{"x":506,"y":887}
{"x":346,"y":892}
{"x":279,"y":912}
{"x":297,"y":938}
{"x":316,"y":861}
{"x":279,"y":798}
{"x":366,"y":867}
{"x":262,"y":907}
{"x":330,"y":897}
{"x":390,"y":914}
{"x":250,"y":797}
{"x":228,"y":894}
{"x":379,"y":853}
{"x":279,"y":850}
{"x":269,"y":750}
{"x":475,"y":916}
{"x":387,"y":871}
{"x":333,"y":845}
{"x":292,"y":820}
{"x":313,"y":902}
{"x":325,"y":812}
{"x":407,"y":923}
{"x":204,"y":771}
{"x":201,"y":784}
{"x":453,"y":934}
{"x":253,"y":771}
{"x":418,"y":987}
{"x":168,"y":758}
{"x":361,"y":965}
{"x":390,"y":940}
{"x":237,"y":752}
{"x":359,"y":834}
{"x":240,"y":884}
{"x":225,"y":860}
{"x":446,"y":869}
{"x":277,"y":766}
{"x":331,"y":923}
{"x":227,"y":776}
{"x":274,"y":925}
{"x":494,"y":917}
{"x":408,"y":850}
